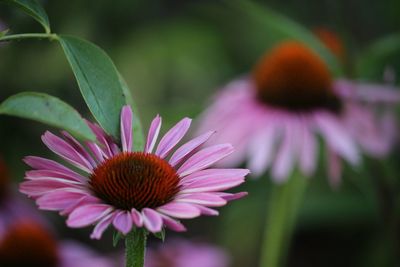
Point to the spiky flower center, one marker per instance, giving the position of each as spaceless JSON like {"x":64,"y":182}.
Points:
{"x":27,"y":244}
{"x":135,"y":180}
{"x":294,"y":77}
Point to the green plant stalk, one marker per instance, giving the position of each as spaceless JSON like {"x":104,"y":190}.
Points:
{"x":135,"y":248}
{"x":283,"y":206}
{"x":50,"y":36}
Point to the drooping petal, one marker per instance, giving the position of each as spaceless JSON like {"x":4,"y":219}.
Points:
{"x":137,"y":217}
{"x":173,"y":224}
{"x":101,"y":226}
{"x":337,"y":137}
{"x":261,"y":148}
{"x":154,"y":130}
{"x":87,"y":215}
{"x":231,"y":196}
{"x":179,"y":210}
{"x":308,"y":151}
{"x":58,"y":200}
{"x":66,"y":151}
{"x":206,"y":199}
{"x":152,"y":220}
{"x":205,"y":158}
{"x":126,"y":128}
{"x":172,"y":137}
{"x":214,"y":174}
{"x":123,"y":222}
{"x":288,"y":151}
{"x":78,"y":147}
{"x":38,"y":187}
{"x":188,"y":148}
{"x":212,"y":184}
{"x":47,"y":164}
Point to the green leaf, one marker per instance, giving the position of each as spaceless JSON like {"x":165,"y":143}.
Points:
{"x":160,"y":235}
{"x":117,"y":236}
{"x":33,"y":9}
{"x":138,"y":136}
{"x":46,"y":109}
{"x":98,"y":80}
{"x":381,"y":53}
{"x":280,"y":28}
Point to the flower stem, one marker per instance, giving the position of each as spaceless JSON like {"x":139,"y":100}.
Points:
{"x":50,"y":36}
{"x":135,"y":247}
{"x":284,"y":202}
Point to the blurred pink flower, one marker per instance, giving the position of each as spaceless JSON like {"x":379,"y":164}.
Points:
{"x":275,"y":116}
{"x":181,"y":253}
{"x":125,"y":188}
{"x":28,"y":244}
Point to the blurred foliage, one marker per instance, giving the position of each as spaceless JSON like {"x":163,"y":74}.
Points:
{"x":174,"y":55}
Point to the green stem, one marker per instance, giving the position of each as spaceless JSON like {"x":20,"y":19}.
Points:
{"x":282,"y":213}
{"x":50,"y":36}
{"x":135,"y":248}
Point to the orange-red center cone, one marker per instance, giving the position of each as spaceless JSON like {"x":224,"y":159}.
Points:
{"x":135,"y":180}
{"x":294,"y":77}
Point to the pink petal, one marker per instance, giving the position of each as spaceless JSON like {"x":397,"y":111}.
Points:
{"x":207,"y":211}
{"x":284,"y":161}
{"x":59,"y":200}
{"x":212,"y":184}
{"x":205,"y":158}
{"x":66,"y":151}
{"x":172,"y":137}
{"x":179,"y":210}
{"x":188,"y":148}
{"x":87,"y":215}
{"x":153,"y":134}
{"x":123,"y":222}
{"x":41,"y":186}
{"x":173,"y":224}
{"x":206,"y":199}
{"x":85,"y":200}
{"x":214,"y":174}
{"x":101,"y":226}
{"x":137,"y":218}
{"x":230,"y":196}
{"x":78,"y":147}
{"x":261,"y":150}
{"x":38,"y":174}
{"x":126,"y":128}
{"x":46,"y":164}
{"x":102,"y":138}
{"x":152,"y":220}
{"x":337,"y":136}
{"x":308,"y":151}
{"x":96,"y":151}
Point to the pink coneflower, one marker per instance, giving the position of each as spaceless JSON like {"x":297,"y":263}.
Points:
{"x":275,"y":116}
{"x":125,"y":188}
{"x":27,"y":244}
{"x":181,"y":253}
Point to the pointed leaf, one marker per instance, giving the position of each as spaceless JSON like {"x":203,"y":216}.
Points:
{"x":160,"y":235}
{"x":33,"y":9}
{"x":117,"y":236}
{"x":98,"y":81}
{"x":46,"y":109}
{"x":279,"y":28}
